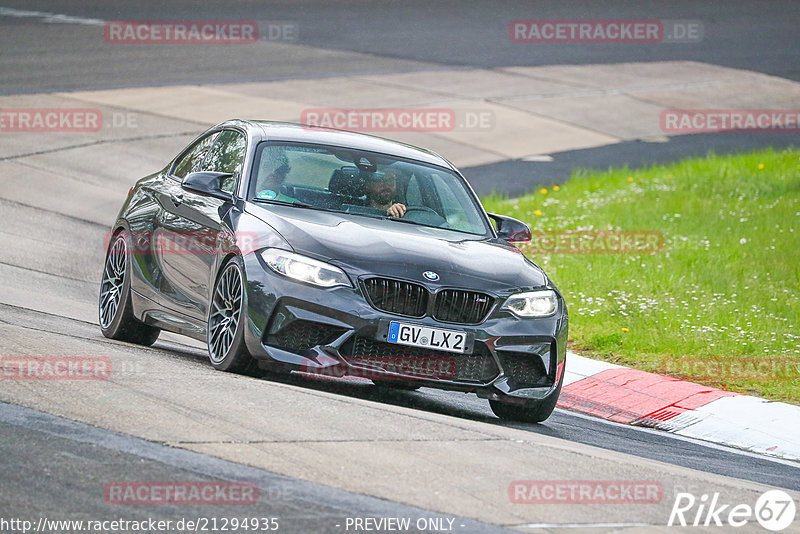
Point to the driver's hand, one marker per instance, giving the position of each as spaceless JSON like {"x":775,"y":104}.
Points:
{"x":396,"y":210}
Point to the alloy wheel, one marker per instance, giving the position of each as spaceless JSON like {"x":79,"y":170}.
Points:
{"x":226,"y":311}
{"x":113,"y":282}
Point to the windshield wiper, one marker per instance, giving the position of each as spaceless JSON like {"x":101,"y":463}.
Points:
{"x":295,"y":203}
{"x":407,"y":221}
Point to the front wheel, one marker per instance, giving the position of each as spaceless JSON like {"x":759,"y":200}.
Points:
{"x":530,"y":411}
{"x":115,"y":310}
{"x":226,"y":346}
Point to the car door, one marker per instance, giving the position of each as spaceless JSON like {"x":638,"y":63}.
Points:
{"x":193,"y":222}
{"x":171,"y":227}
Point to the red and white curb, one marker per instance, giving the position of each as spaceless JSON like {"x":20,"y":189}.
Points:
{"x":646,"y":399}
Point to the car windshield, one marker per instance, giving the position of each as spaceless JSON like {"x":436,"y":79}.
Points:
{"x":365,"y":184}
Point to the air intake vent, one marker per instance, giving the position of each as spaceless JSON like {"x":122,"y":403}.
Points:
{"x":477,"y":367}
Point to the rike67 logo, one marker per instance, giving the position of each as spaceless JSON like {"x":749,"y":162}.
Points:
{"x":774,"y":510}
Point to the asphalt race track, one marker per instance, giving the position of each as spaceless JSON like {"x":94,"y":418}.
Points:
{"x":320,"y":450}
{"x":360,"y":37}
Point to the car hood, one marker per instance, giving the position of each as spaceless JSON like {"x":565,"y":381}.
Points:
{"x":364,"y":245}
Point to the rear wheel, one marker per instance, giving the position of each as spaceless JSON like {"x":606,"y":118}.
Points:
{"x":226,"y":347}
{"x":115,"y":311}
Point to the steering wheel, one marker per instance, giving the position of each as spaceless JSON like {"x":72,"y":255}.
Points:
{"x":424,"y":215}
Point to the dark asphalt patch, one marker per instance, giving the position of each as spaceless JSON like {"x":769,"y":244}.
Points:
{"x":57,"y":469}
{"x":517,"y":177}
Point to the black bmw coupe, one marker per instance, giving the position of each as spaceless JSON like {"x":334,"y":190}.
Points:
{"x":289,"y":248}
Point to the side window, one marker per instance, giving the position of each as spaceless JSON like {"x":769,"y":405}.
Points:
{"x":227,"y":155}
{"x":457,"y":216}
{"x":413,"y":194}
{"x":193,"y":160}
{"x":446,"y":197}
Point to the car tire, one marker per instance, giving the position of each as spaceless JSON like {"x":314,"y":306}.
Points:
{"x":531,"y":411}
{"x":115,"y":309}
{"x":227,"y":317}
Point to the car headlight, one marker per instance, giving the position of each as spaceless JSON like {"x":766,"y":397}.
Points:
{"x":304,"y":269}
{"x":533,"y":303}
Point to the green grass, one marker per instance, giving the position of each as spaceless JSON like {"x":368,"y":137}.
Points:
{"x":719,"y":304}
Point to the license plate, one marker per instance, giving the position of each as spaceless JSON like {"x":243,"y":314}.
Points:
{"x":427,"y":337}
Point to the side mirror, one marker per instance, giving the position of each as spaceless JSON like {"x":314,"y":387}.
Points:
{"x":207,"y":183}
{"x":511,"y":229}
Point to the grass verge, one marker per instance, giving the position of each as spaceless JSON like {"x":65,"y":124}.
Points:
{"x":712,"y":295}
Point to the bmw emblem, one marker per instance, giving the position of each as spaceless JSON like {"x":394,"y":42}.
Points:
{"x":430,"y":275}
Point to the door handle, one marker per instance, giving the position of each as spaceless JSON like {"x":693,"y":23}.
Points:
{"x":176,"y":199}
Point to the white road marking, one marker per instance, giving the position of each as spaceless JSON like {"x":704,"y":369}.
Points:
{"x":750,"y":423}
{"x":584,"y":525}
{"x":701,"y":442}
{"x":49,"y":18}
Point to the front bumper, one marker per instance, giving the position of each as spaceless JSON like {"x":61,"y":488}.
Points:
{"x":335,"y":332}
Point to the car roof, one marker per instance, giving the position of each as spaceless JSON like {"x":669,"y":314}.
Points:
{"x":287,"y":131}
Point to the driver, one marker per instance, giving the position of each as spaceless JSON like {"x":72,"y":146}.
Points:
{"x":381,"y":189}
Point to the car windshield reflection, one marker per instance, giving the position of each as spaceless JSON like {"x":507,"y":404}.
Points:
{"x":365,"y":184}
